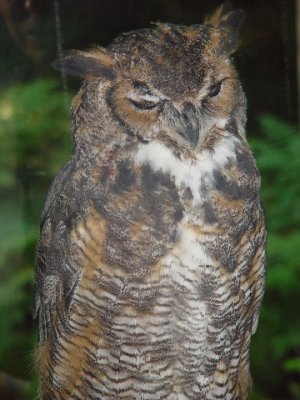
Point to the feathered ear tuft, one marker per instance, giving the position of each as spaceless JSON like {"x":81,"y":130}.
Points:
{"x":228,"y":22}
{"x":95,"y":63}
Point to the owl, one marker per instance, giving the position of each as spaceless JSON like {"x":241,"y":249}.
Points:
{"x":150,"y":266}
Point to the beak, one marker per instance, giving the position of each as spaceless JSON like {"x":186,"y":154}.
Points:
{"x":192,"y":135}
{"x":188,"y":124}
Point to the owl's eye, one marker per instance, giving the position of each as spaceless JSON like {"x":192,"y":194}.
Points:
{"x":143,"y":103}
{"x":215,"y":89}
{"x":142,"y":98}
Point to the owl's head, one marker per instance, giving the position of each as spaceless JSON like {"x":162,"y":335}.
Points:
{"x":171,"y":83}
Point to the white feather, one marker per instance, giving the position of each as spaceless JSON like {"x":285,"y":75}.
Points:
{"x":187,"y":173}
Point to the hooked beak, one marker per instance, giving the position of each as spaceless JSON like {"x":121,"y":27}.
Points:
{"x":191,"y":134}
{"x":186,"y":125}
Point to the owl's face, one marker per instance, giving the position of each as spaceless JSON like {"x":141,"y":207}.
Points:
{"x":170,"y":83}
{"x":161,"y":107}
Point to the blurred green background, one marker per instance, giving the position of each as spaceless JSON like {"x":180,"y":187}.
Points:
{"x":35,"y":141}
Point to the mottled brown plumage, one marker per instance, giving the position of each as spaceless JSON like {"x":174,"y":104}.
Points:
{"x":150,"y":267}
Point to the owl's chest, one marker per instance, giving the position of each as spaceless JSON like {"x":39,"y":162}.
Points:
{"x":155,"y":204}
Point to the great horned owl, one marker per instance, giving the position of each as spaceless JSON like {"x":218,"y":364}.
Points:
{"x":150,"y":267}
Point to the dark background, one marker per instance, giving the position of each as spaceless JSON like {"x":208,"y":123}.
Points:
{"x":35,"y":142}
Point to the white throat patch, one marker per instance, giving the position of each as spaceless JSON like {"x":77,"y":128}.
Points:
{"x":186,"y":173}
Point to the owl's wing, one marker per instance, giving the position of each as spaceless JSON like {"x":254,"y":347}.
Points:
{"x":232,"y":293}
{"x":49,"y":285}
{"x":55,"y":188}
{"x":256,"y":272}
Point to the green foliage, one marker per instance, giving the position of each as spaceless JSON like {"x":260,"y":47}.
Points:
{"x":292,"y":365}
{"x":276,"y":346}
{"x":34,"y":132}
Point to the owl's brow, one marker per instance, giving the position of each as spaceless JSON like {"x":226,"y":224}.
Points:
{"x":226,"y":78}
{"x":231,"y":77}
{"x":216,"y":82}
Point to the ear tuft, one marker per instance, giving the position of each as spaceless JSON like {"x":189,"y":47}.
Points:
{"x":95,"y":63}
{"x":228,"y":21}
